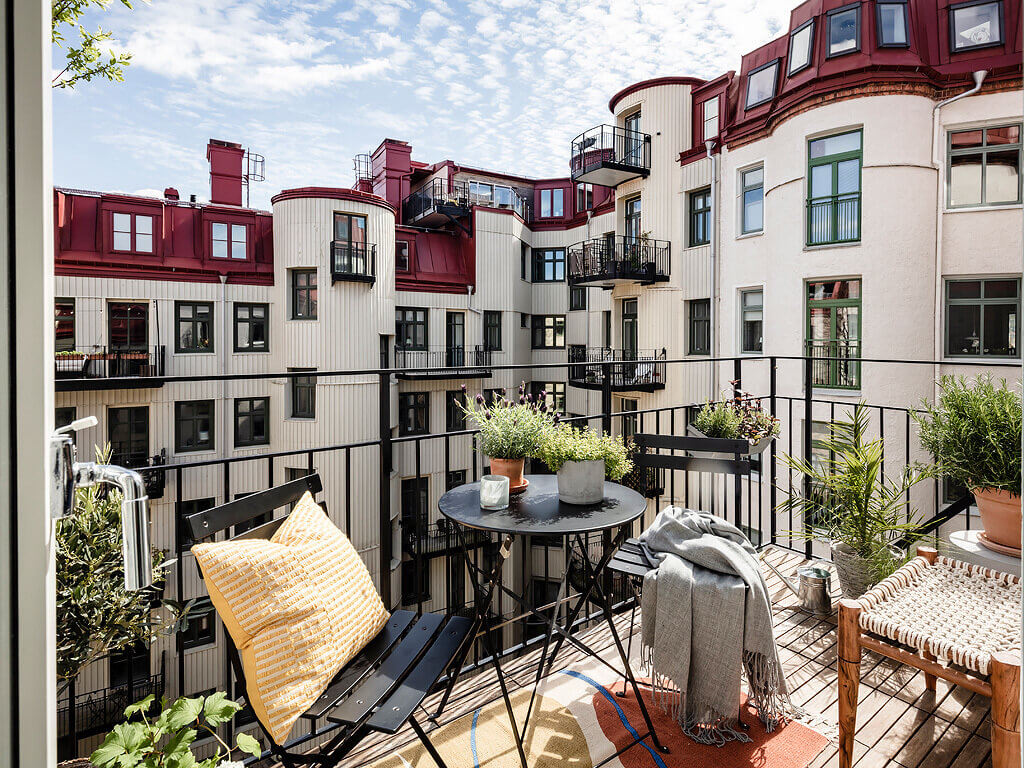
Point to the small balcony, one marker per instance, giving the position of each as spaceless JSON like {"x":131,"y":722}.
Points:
{"x":627,"y":370}
{"x":443,"y":362}
{"x":439,"y":539}
{"x":90,"y":714}
{"x":135,"y":368}
{"x":836,"y":364}
{"x":607,"y":261}
{"x":437,"y":202}
{"x":353,"y":262}
{"x":833,"y":220}
{"x":609,"y":155}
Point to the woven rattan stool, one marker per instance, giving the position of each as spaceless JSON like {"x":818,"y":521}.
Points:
{"x":949,"y":619}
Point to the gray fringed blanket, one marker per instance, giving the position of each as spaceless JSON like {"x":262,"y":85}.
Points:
{"x":706,"y":617}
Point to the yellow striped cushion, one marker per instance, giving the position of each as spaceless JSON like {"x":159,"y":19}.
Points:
{"x":298,"y":606}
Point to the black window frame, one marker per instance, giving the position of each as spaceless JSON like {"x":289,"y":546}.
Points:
{"x":454,"y":478}
{"x":747,"y":105}
{"x":492,"y":330}
{"x":698,"y":327}
{"x":545,"y":257}
{"x":59,"y":319}
{"x":252,"y":440}
{"x":302,"y":387}
{"x":136,"y":443}
{"x":555,"y":390}
{"x":696,"y":214}
{"x":524,"y":261}
{"x":194,"y":322}
{"x":210,"y":444}
{"x":906,"y":24}
{"x":953,"y":50}
{"x":251,"y":321}
{"x":981,"y":302}
{"x":454,"y":417}
{"x":202,"y":629}
{"x":539,"y":329}
{"x":64,"y":415}
{"x":413,"y":407}
{"x":311,"y":289}
{"x":577,"y":298}
{"x":137,"y":658}
{"x":404,"y":323}
{"x":829,"y":16}
{"x":810,"y":48}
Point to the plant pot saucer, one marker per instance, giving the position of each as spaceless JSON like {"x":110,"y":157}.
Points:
{"x":1002,"y":549}
{"x":519,"y":488}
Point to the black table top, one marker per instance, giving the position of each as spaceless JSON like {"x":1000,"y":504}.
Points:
{"x":538,"y":512}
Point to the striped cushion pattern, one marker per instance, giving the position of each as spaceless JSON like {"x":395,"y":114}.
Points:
{"x":298,"y":607}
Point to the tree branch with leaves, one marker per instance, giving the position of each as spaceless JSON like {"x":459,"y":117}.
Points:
{"x":91,"y":54}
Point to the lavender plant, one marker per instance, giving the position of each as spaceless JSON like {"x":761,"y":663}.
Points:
{"x":509,"y":429}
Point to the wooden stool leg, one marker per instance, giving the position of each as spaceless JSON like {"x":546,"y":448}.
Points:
{"x":929,"y":680}
{"x":1005,"y":676}
{"x":849,"y":677}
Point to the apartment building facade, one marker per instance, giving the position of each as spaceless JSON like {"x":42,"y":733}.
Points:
{"x":824,"y":200}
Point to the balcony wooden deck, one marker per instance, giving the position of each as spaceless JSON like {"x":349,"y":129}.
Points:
{"x":900,"y":723}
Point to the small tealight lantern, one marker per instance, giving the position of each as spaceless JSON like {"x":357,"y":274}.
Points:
{"x":493,"y":492}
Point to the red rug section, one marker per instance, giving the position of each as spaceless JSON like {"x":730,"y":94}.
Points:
{"x":792,"y":746}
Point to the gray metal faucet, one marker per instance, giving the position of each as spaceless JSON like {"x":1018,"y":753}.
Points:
{"x":67,"y":473}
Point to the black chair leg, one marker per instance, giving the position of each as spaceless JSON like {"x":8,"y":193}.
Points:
{"x":427,"y":743}
{"x":629,"y":644}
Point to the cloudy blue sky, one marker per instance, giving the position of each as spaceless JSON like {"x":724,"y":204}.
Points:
{"x":502,"y":84}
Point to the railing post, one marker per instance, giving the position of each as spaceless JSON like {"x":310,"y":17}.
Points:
{"x":772,"y":491}
{"x":606,"y":396}
{"x":737,"y":376}
{"x":386,"y":459}
{"x":808,"y":422}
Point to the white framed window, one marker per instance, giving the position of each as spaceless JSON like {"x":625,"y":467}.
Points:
{"x":132,"y":232}
{"x":709,"y":118}
{"x":761,"y":84}
{"x":227,"y":240}
{"x":552,"y":203}
{"x":801,"y":46}
{"x":752,"y":200}
{"x":584,"y":197}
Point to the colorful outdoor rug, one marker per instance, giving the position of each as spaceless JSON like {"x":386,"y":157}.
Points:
{"x":578,"y":722}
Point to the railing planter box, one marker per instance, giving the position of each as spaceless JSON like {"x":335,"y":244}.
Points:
{"x":756,"y":449}
{"x":73,"y":363}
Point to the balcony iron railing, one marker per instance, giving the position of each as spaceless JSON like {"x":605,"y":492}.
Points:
{"x":93,"y":713}
{"x":355,"y":262}
{"x":444,"y":362}
{"x":836,"y":364}
{"x":608,"y":260}
{"x":439,"y":538}
{"x":610,"y":155}
{"x":632,"y":369}
{"x":449,"y":199}
{"x":79,"y":370}
{"x":832,"y":220}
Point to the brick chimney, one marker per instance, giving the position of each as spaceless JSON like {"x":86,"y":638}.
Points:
{"x":226,"y":160}
{"x":171,"y":194}
{"x":391,"y":166}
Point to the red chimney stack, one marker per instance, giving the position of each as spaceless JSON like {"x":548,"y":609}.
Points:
{"x":226,"y":161}
{"x":392,"y":164}
{"x":171,"y":194}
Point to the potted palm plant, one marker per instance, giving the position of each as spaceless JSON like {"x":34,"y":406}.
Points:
{"x":854,"y":505}
{"x":510,"y":431}
{"x":740,"y":417}
{"x":974,"y":432}
{"x":583,"y":459}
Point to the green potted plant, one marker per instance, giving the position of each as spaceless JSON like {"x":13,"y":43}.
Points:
{"x":854,"y":505}
{"x":166,"y":740}
{"x":974,"y":432}
{"x":583,"y":459}
{"x":510,"y":431}
{"x":740,"y":417}
{"x":70,"y":361}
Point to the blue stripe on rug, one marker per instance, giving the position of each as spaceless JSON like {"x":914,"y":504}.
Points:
{"x":622,"y":715}
{"x":472,"y":739}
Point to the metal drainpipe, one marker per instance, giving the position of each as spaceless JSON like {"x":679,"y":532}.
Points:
{"x":713,"y":249}
{"x":222,"y":357}
{"x":979,"y":78}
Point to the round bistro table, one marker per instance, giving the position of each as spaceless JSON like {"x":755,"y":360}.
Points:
{"x":537,"y":511}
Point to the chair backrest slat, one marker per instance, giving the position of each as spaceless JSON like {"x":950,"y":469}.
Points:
{"x":211,"y":521}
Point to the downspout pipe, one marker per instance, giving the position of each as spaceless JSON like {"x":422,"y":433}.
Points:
{"x":713,"y":250}
{"x":940,"y":179}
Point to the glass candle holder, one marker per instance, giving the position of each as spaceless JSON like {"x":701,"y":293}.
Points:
{"x":493,"y":492}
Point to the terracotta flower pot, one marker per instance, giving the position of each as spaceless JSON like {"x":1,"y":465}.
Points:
{"x":1001,"y":519}
{"x":513,"y":470}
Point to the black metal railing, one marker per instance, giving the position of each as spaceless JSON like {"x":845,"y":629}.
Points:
{"x":443,"y":360}
{"x":834,"y":219}
{"x":353,"y":261}
{"x":836,"y":364}
{"x":107,"y":363}
{"x":610,"y":146}
{"x":437,"y":195}
{"x":89,"y":714}
{"x":438,"y":538}
{"x":619,"y":258}
{"x":632,"y":369}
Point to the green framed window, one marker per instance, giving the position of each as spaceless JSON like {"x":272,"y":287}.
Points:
{"x":833,"y":332}
{"x":700,"y":217}
{"x":983,"y":318}
{"x":983,"y":167}
{"x":700,"y":326}
{"x":833,"y":189}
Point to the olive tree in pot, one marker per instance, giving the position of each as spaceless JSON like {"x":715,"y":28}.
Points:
{"x":974,"y":432}
{"x":854,"y":505}
{"x":583,"y":459}
{"x":510,"y":431}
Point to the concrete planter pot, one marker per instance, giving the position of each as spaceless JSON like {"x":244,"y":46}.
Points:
{"x":581,"y":482}
{"x":1001,"y":519}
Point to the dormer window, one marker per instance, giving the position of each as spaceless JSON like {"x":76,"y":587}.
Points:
{"x":133,"y":232}
{"x":891,"y":21}
{"x":228,"y":240}
{"x":552,"y":204}
{"x":843,"y":30}
{"x":402,"y":255}
{"x":801,"y":44}
{"x":975,"y":25}
{"x":709,"y":116}
{"x":761,"y":84}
